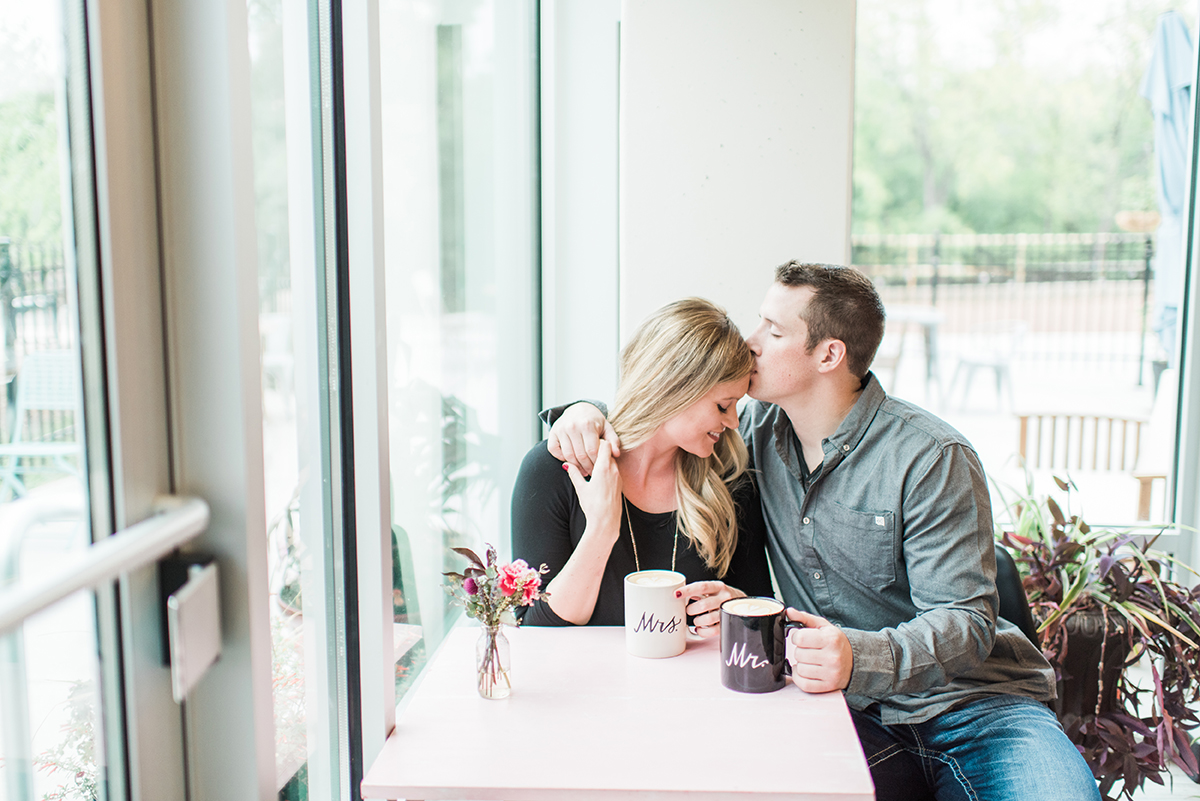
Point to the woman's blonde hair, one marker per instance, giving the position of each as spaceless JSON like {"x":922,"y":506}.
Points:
{"x":676,"y":357}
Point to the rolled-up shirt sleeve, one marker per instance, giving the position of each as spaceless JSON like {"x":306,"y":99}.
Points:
{"x":950,"y":565}
{"x":550,"y":416}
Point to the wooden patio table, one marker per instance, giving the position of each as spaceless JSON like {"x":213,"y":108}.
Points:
{"x":587,"y":721}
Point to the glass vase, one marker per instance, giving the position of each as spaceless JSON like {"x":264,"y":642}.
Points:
{"x":492,"y":663}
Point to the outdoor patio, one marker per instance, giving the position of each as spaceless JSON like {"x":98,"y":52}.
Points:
{"x":989,"y":419}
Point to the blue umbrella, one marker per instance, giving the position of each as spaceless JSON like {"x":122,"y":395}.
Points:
{"x":1167,"y":84}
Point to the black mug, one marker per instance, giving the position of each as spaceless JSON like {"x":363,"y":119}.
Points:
{"x":754,"y":635}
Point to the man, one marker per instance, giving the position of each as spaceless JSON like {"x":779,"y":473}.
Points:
{"x":880,"y":535}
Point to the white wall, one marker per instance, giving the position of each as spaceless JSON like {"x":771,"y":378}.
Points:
{"x":579,"y":64}
{"x":736,"y":142}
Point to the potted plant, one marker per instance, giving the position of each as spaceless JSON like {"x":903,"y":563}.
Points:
{"x":1103,"y":600}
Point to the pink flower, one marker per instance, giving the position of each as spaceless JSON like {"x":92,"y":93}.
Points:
{"x":532,"y":582}
{"x":512,"y":576}
{"x":470,"y":587}
{"x":531,"y":592}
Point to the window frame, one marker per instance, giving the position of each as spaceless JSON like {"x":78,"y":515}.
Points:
{"x":1186,"y":484}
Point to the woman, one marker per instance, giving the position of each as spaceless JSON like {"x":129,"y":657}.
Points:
{"x":676,"y":497}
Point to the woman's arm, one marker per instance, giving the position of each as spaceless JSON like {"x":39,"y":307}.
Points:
{"x":573,"y":591}
{"x":543,"y":503}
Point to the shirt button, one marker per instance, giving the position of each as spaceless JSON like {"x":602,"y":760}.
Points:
{"x":807,"y":521}
{"x":845,"y":447}
{"x":817,"y":576}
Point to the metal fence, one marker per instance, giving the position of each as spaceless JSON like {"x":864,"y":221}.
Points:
{"x":34,"y":311}
{"x":36,"y":317}
{"x":33,"y":300}
{"x":1081,"y":297}
{"x":1088,"y":295}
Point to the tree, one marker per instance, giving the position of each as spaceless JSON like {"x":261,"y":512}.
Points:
{"x":30,"y":200}
{"x":966,"y":119}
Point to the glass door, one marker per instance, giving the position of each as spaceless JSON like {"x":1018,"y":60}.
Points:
{"x":85,"y":701}
{"x":55,"y":487}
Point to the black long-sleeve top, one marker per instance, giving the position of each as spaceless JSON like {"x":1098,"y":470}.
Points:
{"x":547,"y":524}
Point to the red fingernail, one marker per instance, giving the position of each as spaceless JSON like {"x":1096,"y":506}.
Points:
{"x":565,"y":467}
{"x":678,"y":593}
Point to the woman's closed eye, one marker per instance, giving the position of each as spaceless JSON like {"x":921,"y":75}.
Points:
{"x":722,"y":409}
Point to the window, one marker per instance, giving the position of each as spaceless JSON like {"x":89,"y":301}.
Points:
{"x":50,"y":711}
{"x":1006,"y":204}
{"x":459,"y":131}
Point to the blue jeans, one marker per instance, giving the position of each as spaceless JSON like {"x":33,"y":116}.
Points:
{"x":996,"y":747}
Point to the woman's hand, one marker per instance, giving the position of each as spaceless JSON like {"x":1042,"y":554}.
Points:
{"x":704,"y":599}
{"x":574,"y":590}
{"x":600,"y":498}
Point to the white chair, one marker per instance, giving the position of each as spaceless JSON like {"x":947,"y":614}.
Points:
{"x":1098,"y":451}
{"x":991,"y":347}
{"x":48,"y":381}
{"x":889,"y":353}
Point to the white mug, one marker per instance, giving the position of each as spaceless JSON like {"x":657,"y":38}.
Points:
{"x":655,"y":619}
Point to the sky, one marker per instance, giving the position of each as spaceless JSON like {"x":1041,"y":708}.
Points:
{"x":1078,"y":35}
{"x":30,"y":46}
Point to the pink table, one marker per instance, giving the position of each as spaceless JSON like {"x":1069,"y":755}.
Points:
{"x":586,"y":722}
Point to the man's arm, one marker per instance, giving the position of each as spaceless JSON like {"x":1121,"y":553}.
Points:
{"x":949,"y":558}
{"x":576,"y":431}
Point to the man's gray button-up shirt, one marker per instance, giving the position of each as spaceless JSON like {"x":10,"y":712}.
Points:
{"x":893,"y":542}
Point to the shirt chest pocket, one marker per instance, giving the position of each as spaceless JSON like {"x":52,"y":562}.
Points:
{"x":858,"y":545}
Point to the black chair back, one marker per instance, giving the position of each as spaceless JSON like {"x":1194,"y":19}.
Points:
{"x":1014,"y":606}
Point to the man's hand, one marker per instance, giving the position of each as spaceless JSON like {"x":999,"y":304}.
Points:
{"x":575,"y":436}
{"x":821,"y":658}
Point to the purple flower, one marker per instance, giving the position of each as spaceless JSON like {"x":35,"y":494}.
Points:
{"x":470,"y":586}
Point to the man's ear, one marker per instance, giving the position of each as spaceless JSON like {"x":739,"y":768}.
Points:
{"x":833,"y":355}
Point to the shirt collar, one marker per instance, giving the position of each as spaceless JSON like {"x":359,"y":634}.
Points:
{"x":848,"y":434}
{"x":854,"y":427}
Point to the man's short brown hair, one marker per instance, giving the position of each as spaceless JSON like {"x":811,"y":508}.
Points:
{"x":844,"y":306}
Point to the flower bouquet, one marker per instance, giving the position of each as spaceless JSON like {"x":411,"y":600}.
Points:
{"x":489,"y":593}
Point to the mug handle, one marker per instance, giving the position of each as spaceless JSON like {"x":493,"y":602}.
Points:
{"x":788,"y":625}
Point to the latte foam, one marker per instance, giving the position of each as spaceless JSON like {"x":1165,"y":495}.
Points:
{"x":654,"y":578}
{"x":752,"y":607}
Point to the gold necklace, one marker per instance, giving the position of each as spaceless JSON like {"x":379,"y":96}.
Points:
{"x":636,"y":563}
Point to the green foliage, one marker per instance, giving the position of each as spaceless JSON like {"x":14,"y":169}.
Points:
{"x":1069,"y":570}
{"x":269,"y":140}
{"x":287,"y":690}
{"x":30,"y":201}
{"x":71,"y":762}
{"x":991,"y":139}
